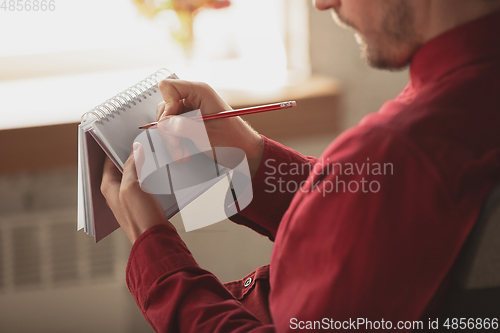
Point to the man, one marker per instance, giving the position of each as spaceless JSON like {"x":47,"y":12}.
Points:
{"x":379,"y":247}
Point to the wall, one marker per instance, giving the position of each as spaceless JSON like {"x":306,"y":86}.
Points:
{"x":335,"y":52}
{"x":52,"y":278}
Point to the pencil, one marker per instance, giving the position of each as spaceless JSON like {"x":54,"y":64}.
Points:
{"x":232,"y":113}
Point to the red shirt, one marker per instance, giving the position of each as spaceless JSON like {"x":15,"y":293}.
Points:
{"x":342,"y":253}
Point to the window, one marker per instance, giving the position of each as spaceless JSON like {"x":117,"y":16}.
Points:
{"x":251,"y":45}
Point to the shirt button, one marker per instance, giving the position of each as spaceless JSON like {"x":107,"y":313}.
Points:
{"x":247,"y":282}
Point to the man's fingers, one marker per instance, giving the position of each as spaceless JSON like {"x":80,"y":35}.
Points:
{"x":172,"y":145}
{"x":129,"y":178}
{"x":110,"y":172}
{"x":186,"y":154}
{"x":139,"y":158}
{"x":135,"y":210}
{"x":141,"y":206}
{"x":176,"y":130}
{"x":171,"y":138}
{"x":181,"y":96}
{"x":160,"y":109}
{"x":183,"y":127}
{"x":174,"y":92}
{"x":111,"y":179}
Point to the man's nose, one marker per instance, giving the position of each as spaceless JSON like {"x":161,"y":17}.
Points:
{"x":326,"y":4}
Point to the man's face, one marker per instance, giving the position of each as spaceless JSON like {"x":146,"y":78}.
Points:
{"x":385,"y":29}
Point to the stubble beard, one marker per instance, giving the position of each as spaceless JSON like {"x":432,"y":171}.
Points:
{"x":394,"y":43}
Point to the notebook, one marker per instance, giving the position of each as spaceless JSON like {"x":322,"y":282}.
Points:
{"x":110,"y":129}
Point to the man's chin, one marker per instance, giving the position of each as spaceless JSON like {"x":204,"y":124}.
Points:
{"x":383,"y":60}
{"x":381,"y":56}
{"x":385,"y":64}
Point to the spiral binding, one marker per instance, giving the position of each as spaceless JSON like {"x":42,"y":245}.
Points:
{"x":129,"y":96}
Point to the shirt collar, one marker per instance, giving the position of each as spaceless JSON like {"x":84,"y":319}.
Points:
{"x":469,"y":43}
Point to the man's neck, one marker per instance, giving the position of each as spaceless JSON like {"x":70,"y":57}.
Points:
{"x":443,"y":15}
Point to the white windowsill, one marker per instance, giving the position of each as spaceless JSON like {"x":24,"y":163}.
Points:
{"x":64,"y":99}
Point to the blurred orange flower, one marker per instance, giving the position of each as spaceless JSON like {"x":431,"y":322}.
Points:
{"x":186,"y":11}
{"x":153,"y":7}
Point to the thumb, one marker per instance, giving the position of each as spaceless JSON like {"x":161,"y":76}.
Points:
{"x":174,"y":92}
{"x":139,"y":159}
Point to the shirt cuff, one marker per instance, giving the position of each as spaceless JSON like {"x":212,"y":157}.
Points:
{"x":268,"y":205}
{"x":157,"y":253}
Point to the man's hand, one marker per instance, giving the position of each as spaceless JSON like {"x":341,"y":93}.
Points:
{"x":184,"y":96}
{"x":135,"y":210}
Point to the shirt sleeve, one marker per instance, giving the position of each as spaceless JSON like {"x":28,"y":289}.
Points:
{"x":269,"y":204}
{"x":373,"y":239}
{"x":175,"y":295}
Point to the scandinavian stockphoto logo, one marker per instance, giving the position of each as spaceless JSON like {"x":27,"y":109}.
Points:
{"x":206,"y":184}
